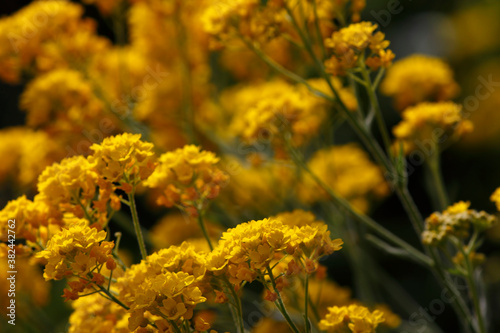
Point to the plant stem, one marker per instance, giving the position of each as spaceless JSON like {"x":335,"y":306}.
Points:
{"x":306,"y":305}
{"x":473,"y":289}
{"x":204,"y":229}
{"x":433,"y":162}
{"x":279,"y":303}
{"x":342,"y":203}
{"x":137,"y":226}
{"x":372,"y":96}
{"x":238,"y":316}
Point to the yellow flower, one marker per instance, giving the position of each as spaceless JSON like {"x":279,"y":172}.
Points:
{"x":187,"y":177}
{"x":455,"y":221}
{"x":123,"y":158}
{"x":495,"y":197}
{"x":349,"y":172}
{"x":46,"y":35}
{"x":358,"y":318}
{"x":75,"y":251}
{"x":430,"y":122}
{"x":419,"y":78}
{"x":264,"y":112}
{"x":167,"y":283}
{"x":353,"y":41}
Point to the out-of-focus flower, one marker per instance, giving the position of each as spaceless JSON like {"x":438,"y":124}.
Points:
{"x":455,"y":221}
{"x":349,"y":172}
{"x":430,"y":122}
{"x":350,"y":44}
{"x":46,"y":35}
{"x":495,"y":197}
{"x":355,"y":317}
{"x":419,"y":78}
{"x":25,"y":153}
{"x":187,"y":177}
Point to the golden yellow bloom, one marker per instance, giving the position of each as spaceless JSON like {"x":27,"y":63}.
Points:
{"x":353,"y":41}
{"x":123,"y":158}
{"x":349,"y":172}
{"x":455,"y":221}
{"x":46,"y":35}
{"x":75,"y":251}
{"x":247,"y":250}
{"x":358,"y":318}
{"x":495,"y":197}
{"x":187,"y":176}
{"x":419,"y":78}
{"x":264,"y":112}
{"x":25,"y":153}
{"x":430,"y":122}
{"x":167,"y":284}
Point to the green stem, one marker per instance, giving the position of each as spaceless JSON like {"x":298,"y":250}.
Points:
{"x":112,"y":297}
{"x":137,"y":225}
{"x":473,"y":289}
{"x":201,"y":223}
{"x":279,"y":303}
{"x":318,"y":29}
{"x":238,"y":316}
{"x":372,"y":96}
{"x":306,"y":304}
{"x":433,"y":162}
{"x":342,"y":203}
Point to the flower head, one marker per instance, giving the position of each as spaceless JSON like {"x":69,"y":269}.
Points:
{"x":455,"y":221}
{"x":123,"y":158}
{"x":495,"y":197}
{"x":417,"y":79}
{"x":187,"y":177}
{"x":356,"y":317}
{"x":430,"y":121}
{"x":350,"y":44}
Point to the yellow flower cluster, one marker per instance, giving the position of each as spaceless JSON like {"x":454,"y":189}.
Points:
{"x":264,"y":112}
{"x":430,"y":121}
{"x":357,"y":318}
{"x":187,"y":177}
{"x":25,"y":153}
{"x":455,"y":221}
{"x":231,"y":19}
{"x":350,"y":44}
{"x":64,"y":95}
{"x":95,"y":311}
{"x":46,"y":35}
{"x":76,"y":251}
{"x":245,"y":252}
{"x":349,"y":172}
{"x":166,"y":284}
{"x":35,"y":222}
{"x":419,"y":78}
{"x":495,"y":197}
{"x":124,"y":158}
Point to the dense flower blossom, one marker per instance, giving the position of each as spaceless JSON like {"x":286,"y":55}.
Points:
{"x":357,"y":318}
{"x":44,"y":36}
{"x":349,"y":45}
{"x":186,"y":178}
{"x":432,"y":122}
{"x":124,"y":158}
{"x":348,"y":171}
{"x":245,"y":252}
{"x":455,"y":221}
{"x":419,"y":78}
{"x":166,"y":284}
{"x":76,"y":251}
